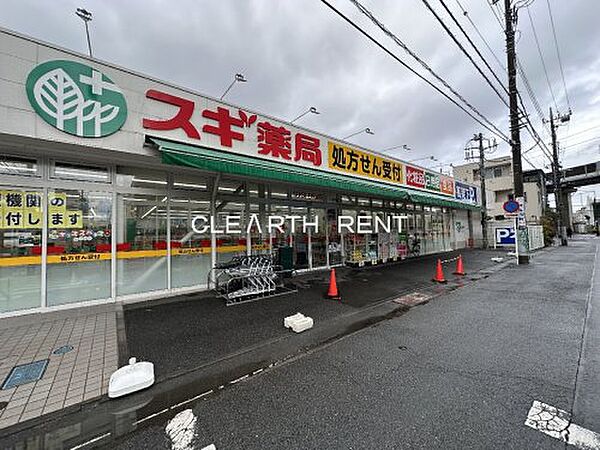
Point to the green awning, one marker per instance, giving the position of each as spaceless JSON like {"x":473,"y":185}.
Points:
{"x":231,"y":163}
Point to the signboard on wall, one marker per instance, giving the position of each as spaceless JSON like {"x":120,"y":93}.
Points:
{"x":76,"y":98}
{"x":465,"y":192}
{"x":356,"y":162}
{"x":101,"y":100}
{"x":415,"y":176}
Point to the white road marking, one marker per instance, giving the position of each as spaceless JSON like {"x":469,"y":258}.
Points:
{"x":237,"y":380}
{"x":557,"y":423}
{"x":181,"y":429}
{"x":210,"y":447}
{"x":91,"y":441}
{"x":151,"y":416}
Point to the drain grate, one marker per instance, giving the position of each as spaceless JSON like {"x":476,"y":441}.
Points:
{"x":3,"y":405}
{"x":62,"y":350}
{"x":25,"y":373}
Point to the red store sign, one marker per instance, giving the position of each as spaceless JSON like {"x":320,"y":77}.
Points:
{"x":272,"y":140}
{"x":415,"y":177}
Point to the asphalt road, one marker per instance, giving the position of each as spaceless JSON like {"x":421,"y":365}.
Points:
{"x":459,"y":372}
{"x":183,"y":334}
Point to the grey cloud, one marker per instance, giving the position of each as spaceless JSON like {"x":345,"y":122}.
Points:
{"x":298,"y":54}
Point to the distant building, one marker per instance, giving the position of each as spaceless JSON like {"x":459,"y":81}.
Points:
{"x":499,"y":185}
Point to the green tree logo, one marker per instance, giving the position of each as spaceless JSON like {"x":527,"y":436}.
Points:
{"x":76,"y":98}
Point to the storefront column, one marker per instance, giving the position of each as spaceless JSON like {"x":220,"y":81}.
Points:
{"x":470,"y":222}
{"x":310,"y":256}
{"x":44,"y":268}
{"x":247,"y":220}
{"x":169,"y":184}
{"x":326,"y":225}
{"x":113,"y":244}
{"x":453,"y":240}
{"x":213,"y":236}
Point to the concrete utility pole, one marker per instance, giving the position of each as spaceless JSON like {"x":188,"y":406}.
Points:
{"x":484,"y":233}
{"x":515,"y":137}
{"x":556,"y":175}
{"x":491,"y":144}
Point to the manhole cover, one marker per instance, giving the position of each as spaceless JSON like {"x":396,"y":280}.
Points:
{"x":412,"y":299}
{"x":62,"y":350}
{"x":25,"y":373}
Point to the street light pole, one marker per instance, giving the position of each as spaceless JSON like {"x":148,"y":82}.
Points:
{"x":311,"y":110}
{"x":86,"y":16}
{"x":237,"y":78}
{"x":364,"y":130}
{"x":431,"y":158}
{"x":402,"y":146}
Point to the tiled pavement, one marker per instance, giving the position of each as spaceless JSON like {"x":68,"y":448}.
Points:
{"x":77,"y":376}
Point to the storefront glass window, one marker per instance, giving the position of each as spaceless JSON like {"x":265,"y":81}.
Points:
{"x":300,"y":239}
{"x":318,"y":239}
{"x":231,"y":244}
{"x":355,"y":250}
{"x":20,"y":249}
{"x":190,"y":251}
{"x":259,"y":235}
{"x":79,"y":246}
{"x":13,"y":165}
{"x":130,"y":177}
{"x":67,"y":171}
{"x":335,"y":240}
{"x":141,"y":243}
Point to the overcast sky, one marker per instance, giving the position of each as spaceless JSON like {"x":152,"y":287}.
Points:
{"x":298,"y":53}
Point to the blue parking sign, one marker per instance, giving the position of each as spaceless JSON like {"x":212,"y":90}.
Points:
{"x":505,"y":235}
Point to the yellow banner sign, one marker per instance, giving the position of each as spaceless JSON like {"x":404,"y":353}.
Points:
{"x":21,"y":210}
{"x":356,"y":162}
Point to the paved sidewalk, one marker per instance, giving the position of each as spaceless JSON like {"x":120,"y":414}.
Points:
{"x":77,"y":376}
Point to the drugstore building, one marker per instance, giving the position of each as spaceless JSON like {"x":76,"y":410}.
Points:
{"x":102,"y":171}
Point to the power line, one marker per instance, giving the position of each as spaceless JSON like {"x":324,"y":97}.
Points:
{"x":521,"y":72}
{"x":530,"y":92}
{"x":582,"y":131}
{"x":582,"y":142}
{"x":539,"y":49}
{"x":562,"y":73}
{"x":529,"y":126}
{"x":482,"y":120}
{"x":532,"y":97}
{"x":466,"y":35}
{"x":466,"y":14}
{"x":461,"y":47}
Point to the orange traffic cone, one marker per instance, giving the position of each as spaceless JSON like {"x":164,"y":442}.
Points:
{"x":333,"y":293}
{"x":459,"y":267}
{"x":439,"y":273}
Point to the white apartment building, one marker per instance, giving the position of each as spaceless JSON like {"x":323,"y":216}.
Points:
{"x":499,"y":185}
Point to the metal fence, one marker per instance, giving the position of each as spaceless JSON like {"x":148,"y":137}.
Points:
{"x":536,"y":236}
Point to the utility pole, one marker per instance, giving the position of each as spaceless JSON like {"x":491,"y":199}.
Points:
{"x":484,"y":228}
{"x":515,"y":138}
{"x":556,"y":174}
{"x":491,"y":144}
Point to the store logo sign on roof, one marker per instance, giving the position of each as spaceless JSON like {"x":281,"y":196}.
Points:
{"x":76,"y":98}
